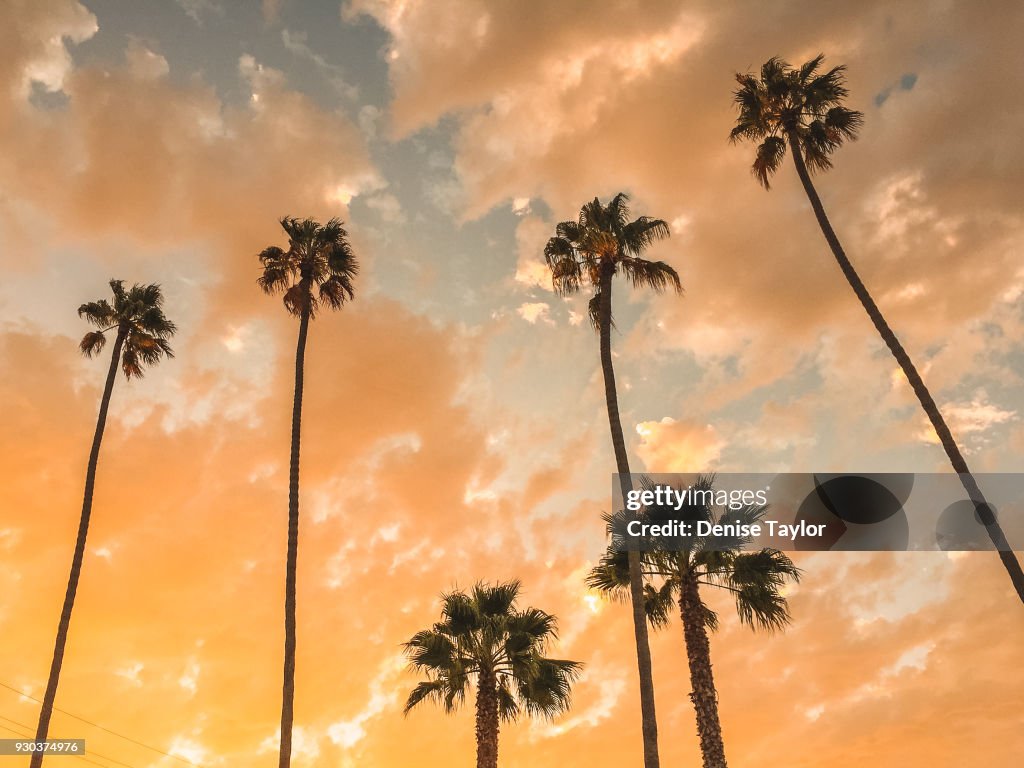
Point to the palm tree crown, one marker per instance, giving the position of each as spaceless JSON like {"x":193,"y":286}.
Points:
{"x":137,"y":314}
{"x":755,"y":579}
{"x":318,"y":255}
{"x":787,"y":104}
{"x":604,"y":236}
{"x":483,"y":633}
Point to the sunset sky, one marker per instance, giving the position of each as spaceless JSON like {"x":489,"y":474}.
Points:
{"x":455,"y":424}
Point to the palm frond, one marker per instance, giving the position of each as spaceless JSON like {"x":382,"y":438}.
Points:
{"x":153,"y":321}
{"x":431,"y":650}
{"x":130,"y":363}
{"x":272,"y":255}
{"x":496,"y":600}
{"x":762,"y":608}
{"x":773,"y":69}
{"x":752,"y":121}
{"x":617,"y":213}
{"x":825,"y":90}
{"x":710,"y":618}
{"x":769,"y":158}
{"x":456,"y":684}
{"x":536,"y":624}
{"x":659,"y":602}
{"x":594,"y":312}
{"x":428,"y":690}
{"x":757,"y":579}
{"x":98,"y":313}
{"x":149,"y":349}
{"x":808,"y":69}
{"x":341,"y":260}
{"x":817,"y":146}
{"x":570,"y":231}
{"x":639,"y":235}
{"x":460,"y":614}
{"x":92,"y":343}
{"x":843,"y":124}
{"x":508,"y":707}
{"x":117,"y":288}
{"x":548,"y":692}
{"x":336,"y":290}
{"x":565,"y":264}
{"x":656,"y":275}
{"x":298,"y":299}
{"x":610,"y":576}
{"x":766,"y":566}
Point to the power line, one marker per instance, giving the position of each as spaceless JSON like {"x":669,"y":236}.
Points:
{"x":92,"y":752}
{"x":102,"y":728}
{"x":28,"y":736}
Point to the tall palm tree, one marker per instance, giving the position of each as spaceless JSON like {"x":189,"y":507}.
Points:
{"x":318,"y":257}
{"x":755,"y":579}
{"x":590,"y":252}
{"x":483,"y":636}
{"x":801,"y":109}
{"x":141,"y":333}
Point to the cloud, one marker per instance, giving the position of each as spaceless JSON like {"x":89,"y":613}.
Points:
{"x":41,"y":57}
{"x":972,"y":419}
{"x":532,"y":312}
{"x":405,"y":412}
{"x":297,"y":44}
{"x":201,"y":186}
{"x":271,"y":10}
{"x":387,"y":207}
{"x":144,"y":63}
{"x":610,"y":686}
{"x":131,"y":672}
{"x":200,"y":10}
{"x":532,"y":234}
{"x":574,"y":109}
{"x":190,"y":749}
{"x":676,"y":446}
{"x":348,"y":732}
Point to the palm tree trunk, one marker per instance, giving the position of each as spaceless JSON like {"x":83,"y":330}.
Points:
{"x":288,"y":688}
{"x":649,"y":720}
{"x":76,"y":561}
{"x":698,"y":653}
{"x":995,"y":531}
{"x":486,"y":720}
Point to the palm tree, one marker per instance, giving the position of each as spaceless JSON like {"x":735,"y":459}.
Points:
{"x":591,"y":251}
{"x":802,"y":110}
{"x":483,"y":636}
{"x":755,"y":579}
{"x":140,"y":339}
{"x":318,"y":256}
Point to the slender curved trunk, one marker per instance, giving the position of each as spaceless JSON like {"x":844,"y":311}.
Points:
{"x":76,"y":561}
{"x":288,"y":688}
{"x":698,"y":653}
{"x":649,"y":719}
{"x":995,"y":531}
{"x":487,"y":720}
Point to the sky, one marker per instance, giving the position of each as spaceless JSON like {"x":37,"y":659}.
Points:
{"x":454,"y":415}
